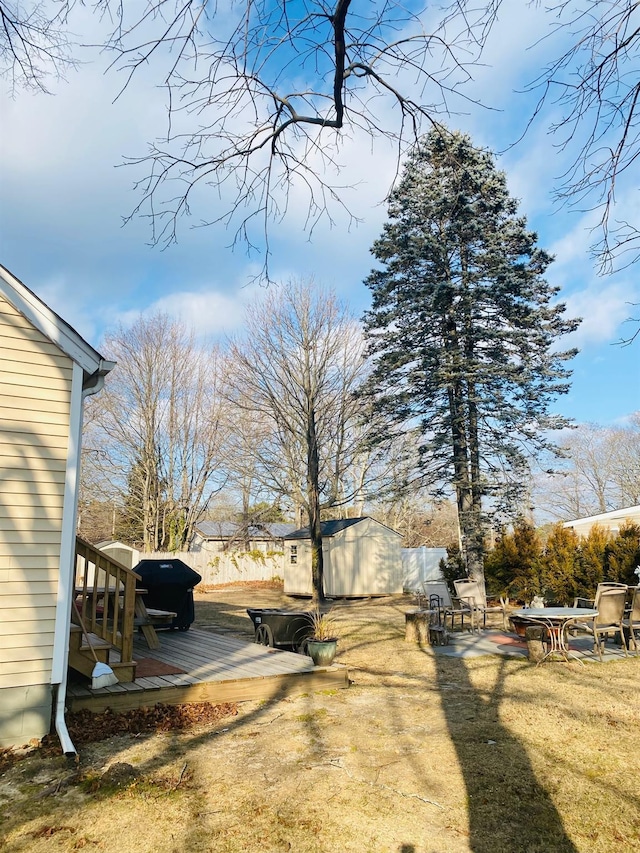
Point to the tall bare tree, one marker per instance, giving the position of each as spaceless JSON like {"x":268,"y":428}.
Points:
{"x":296,"y":367}
{"x":626,"y":461}
{"x":600,"y":472}
{"x":158,"y":430}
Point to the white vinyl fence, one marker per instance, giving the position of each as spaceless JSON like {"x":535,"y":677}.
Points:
{"x":231,"y":567}
{"x":420,"y":565}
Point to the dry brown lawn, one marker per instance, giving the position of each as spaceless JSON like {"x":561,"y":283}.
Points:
{"x":421,"y":754}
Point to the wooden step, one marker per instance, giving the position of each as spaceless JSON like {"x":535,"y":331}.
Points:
{"x":80,"y":656}
{"x":81,"y":659}
{"x":84,"y":662}
{"x":125,"y":670}
{"x":79,"y":642}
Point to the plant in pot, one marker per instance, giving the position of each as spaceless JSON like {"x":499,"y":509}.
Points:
{"x":323,"y":642}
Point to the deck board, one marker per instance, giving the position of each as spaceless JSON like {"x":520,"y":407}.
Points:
{"x":218,"y":668}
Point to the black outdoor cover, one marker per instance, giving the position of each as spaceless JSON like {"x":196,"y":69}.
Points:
{"x":169,"y":585}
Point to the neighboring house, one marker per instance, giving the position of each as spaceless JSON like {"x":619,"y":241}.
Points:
{"x":611,"y":521}
{"x":217,"y":537}
{"x":46,"y":371}
{"x":360,"y":555}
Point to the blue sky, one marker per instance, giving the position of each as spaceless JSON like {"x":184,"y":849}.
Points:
{"x":63,"y":196}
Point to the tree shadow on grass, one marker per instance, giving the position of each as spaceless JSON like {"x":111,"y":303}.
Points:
{"x":505,"y":799}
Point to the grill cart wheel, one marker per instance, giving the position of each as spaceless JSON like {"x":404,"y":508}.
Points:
{"x":264,"y":635}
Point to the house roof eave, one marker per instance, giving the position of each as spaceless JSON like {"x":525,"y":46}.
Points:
{"x":51,"y":325}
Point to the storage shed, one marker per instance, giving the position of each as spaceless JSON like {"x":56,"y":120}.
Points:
{"x":120,"y":551}
{"x":46,"y":371}
{"x":361,"y":557}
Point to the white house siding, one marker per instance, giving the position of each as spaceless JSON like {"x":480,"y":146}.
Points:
{"x":611,"y":521}
{"x":35,"y":389}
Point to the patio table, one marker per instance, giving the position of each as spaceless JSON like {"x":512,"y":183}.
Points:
{"x":556,"y":621}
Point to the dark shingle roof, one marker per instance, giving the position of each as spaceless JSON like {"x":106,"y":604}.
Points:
{"x":231,"y":530}
{"x":327,"y":528}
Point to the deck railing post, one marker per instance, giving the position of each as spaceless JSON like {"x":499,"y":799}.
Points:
{"x":108,"y":595}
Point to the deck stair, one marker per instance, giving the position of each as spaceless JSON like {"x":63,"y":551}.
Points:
{"x":81,"y":657}
{"x":105,"y":593}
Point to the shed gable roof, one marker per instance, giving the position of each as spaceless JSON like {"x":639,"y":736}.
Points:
{"x":337,"y":525}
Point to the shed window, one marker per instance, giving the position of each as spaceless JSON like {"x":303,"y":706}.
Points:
{"x":293,"y":554}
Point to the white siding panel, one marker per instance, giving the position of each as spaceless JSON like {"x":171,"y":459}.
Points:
{"x":28,"y":627}
{"x":31,"y":398}
{"x":48,"y":575}
{"x":36,"y":638}
{"x":34,"y":668}
{"x":24,"y":492}
{"x":363,"y":559}
{"x":31,"y":653}
{"x":297,"y":576}
{"x":21,"y":350}
{"x":23,"y":510}
{"x":35,"y":391}
{"x":17,"y":356}
{"x":24,"y":524}
{"x":13,"y":557}
{"x":33,"y":544}
{"x":40,"y":593}
{"x":12,"y":471}
{"x":21,"y":610}
{"x":32,"y":422}
{"x":29,"y":384}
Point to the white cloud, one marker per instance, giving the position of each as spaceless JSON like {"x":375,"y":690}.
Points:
{"x":208,"y":312}
{"x":604,"y":307}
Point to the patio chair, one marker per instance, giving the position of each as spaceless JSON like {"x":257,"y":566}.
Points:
{"x":610,"y":603}
{"x":631,"y":621}
{"x":438,"y":634}
{"x":438,"y":588}
{"x":579,"y":601}
{"x":471,"y":597}
{"x":428,"y":589}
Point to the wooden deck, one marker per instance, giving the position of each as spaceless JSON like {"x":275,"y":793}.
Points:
{"x":218,"y":668}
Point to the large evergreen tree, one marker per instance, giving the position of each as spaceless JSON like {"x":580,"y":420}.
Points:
{"x":463,"y":328}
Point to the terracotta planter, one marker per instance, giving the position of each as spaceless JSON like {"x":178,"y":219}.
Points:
{"x":322,"y":652}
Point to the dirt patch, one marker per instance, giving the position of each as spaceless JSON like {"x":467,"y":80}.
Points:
{"x":420,"y":754}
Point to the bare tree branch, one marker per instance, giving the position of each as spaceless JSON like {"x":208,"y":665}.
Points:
{"x":595,"y":84}
{"x":263,"y":96}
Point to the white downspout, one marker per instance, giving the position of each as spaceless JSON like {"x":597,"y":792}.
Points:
{"x":60,"y":664}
